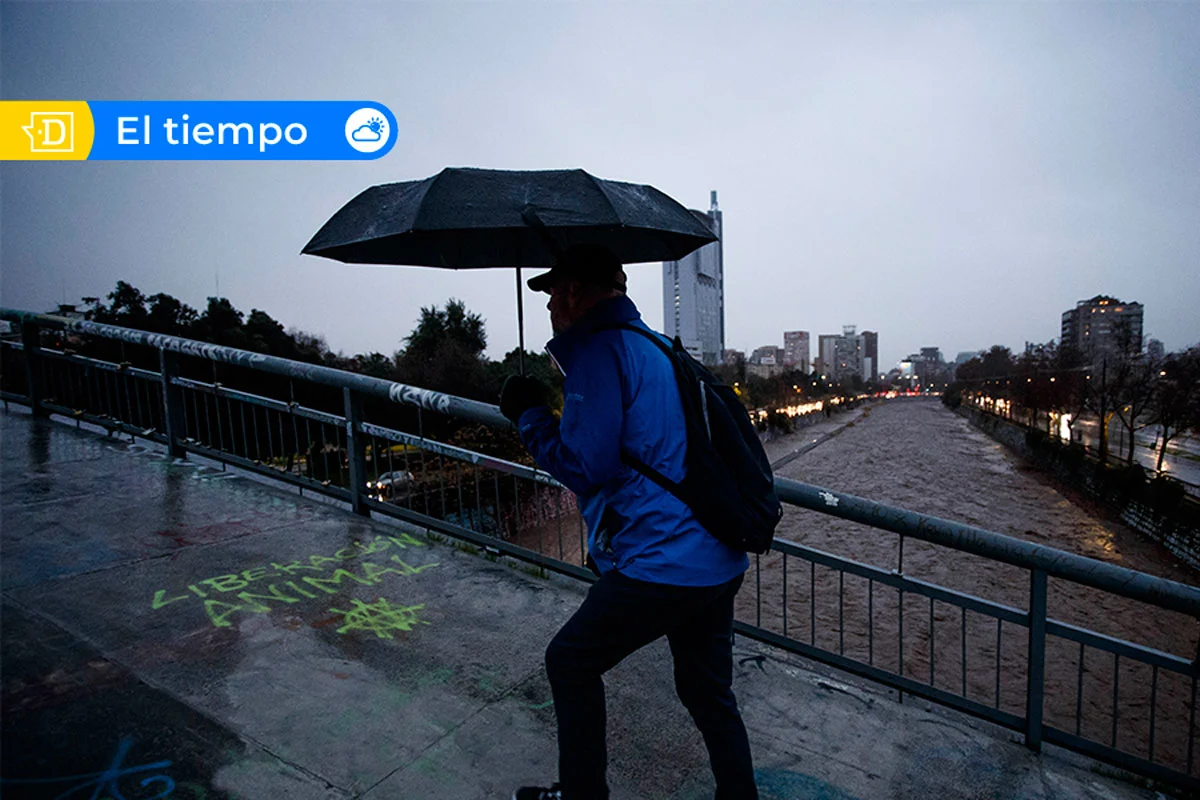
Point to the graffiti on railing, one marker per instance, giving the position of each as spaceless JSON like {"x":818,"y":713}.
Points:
{"x":424,"y":398}
{"x":240,"y":586}
{"x":188,"y":347}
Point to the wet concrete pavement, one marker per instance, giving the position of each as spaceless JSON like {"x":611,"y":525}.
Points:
{"x":170,"y":630}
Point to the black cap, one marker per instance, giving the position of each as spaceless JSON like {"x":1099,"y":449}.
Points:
{"x":593,"y":264}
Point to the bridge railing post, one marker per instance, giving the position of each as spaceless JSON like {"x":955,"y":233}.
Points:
{"x":172,"y":403}
{"x":356,"y":448}
{"x":1036,"y":668}
{"x":31,"y":342}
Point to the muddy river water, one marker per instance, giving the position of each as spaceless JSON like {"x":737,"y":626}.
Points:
{"x":918,"y":455}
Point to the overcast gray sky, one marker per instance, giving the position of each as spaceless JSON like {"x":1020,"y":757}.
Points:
{"x":947,"y":174}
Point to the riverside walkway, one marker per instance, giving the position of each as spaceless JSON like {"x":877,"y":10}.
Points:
{"x":172,"y":630}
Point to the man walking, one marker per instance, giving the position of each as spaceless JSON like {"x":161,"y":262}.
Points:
{"x":661,"y":573}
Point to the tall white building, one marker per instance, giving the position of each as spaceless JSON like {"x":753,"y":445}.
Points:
{"x":694,"y":295}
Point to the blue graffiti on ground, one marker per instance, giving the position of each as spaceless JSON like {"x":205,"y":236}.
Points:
{"x":106,"y":783}
{"x":782,"y":784}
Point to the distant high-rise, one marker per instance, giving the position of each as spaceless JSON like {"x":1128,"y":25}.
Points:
{"x":766,"y":361}
{"x":694,"y":294}
{"x":1103,"y":328}
{"x":852,"y":354}
{"x":827,"y":353}
{"x":870,"y":355}
{"x":929,"y":367}
{"x":795,"y":350}
{"x":769,"y":355}
{"x":848,"y":354}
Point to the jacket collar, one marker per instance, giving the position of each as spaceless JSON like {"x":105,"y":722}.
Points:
{"x":609,"y":311}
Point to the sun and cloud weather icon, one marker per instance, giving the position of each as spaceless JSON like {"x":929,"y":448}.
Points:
{"x":371,"y":132}
{"x":367,"y":131}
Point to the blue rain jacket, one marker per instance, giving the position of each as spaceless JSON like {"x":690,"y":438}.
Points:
{"x":620,"y":392}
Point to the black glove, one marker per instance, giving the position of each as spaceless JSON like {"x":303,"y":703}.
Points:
{"x":521,"y":393}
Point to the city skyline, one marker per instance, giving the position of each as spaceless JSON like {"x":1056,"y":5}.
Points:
{"x":960,"y":207}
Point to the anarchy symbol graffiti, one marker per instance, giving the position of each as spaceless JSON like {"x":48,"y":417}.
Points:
{"x":380,"y":617}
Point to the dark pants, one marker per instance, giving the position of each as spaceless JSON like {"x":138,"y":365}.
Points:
{"x":619,"y":616}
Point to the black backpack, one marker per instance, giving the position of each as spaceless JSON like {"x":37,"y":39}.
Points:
{"x":727,"y":480}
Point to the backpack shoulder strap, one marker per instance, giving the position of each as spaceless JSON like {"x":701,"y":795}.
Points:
{"x":653,"y":337}
{"x":647,"y":471}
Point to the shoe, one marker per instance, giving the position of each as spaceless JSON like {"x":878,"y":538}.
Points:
{"x":538,"y":793}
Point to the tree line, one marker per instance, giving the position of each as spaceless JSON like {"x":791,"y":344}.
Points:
{"x":444,"y":352}
{"x":1050,"y":382}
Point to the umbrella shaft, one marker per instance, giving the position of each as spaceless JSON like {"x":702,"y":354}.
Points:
{"x":520,"y":322}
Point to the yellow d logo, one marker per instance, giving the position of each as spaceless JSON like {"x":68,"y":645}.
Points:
{"x":45,"y":130}
{"x":51,"y":131}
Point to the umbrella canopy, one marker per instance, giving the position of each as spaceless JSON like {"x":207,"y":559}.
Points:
{"x":465,"y":218}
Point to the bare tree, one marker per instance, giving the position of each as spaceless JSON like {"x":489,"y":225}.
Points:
{"x":1133,"y":383}
{"x":1070,"y":394}
{"x":1098,"y":398}
{"x":1029,"y":385}
{"x":1175,"y":405}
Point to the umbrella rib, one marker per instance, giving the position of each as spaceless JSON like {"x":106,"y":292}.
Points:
{"x":598,"y":183}
{"x":432,"y":182}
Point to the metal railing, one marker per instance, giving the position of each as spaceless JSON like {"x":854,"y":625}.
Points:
{"x":1126,"y":703}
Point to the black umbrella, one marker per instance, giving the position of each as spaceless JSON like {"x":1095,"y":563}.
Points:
{"x":464,"y":218}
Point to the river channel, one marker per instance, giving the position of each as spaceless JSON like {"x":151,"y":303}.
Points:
{"x":918,"y":455}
